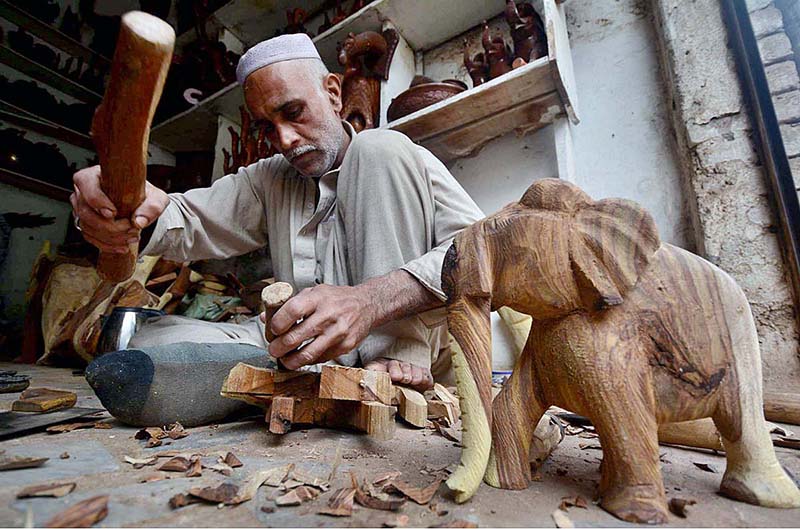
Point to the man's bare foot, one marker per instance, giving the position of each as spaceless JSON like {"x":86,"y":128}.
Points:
{"x":410,"y":375}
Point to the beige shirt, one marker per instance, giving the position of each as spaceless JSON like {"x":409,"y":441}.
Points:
{"x":269,"y":202}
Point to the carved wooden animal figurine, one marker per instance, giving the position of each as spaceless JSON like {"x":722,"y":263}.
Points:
{"x":246,"y":147}
{"x":498,"y":54}
{"x":527,"y":31}
{"x":476,"y":67}
{"x":366,"y":58}
{"x":628,"y":331}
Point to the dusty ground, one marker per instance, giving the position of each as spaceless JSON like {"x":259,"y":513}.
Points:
{"x":96,"y":464}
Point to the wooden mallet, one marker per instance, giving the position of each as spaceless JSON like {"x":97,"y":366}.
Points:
{"x":121,"y":125}
{"x":272,"y":298}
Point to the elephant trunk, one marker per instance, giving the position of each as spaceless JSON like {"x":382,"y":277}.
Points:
{"x":468,"y":319}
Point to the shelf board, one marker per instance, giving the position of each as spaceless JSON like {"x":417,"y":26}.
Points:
{"x":523,"y":100}
{"x":32,"y":184}
{"x":49,"y":34}
{"x":47,"y":76}
{"x":23,"y":118}
{"x":195,"y":129}
{"x":423,"y":23}
{"x":251,"y":21}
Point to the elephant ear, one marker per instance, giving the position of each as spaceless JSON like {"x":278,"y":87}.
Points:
{"x":611,"y":244}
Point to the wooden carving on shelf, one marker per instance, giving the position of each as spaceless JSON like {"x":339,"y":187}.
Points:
{"x":366,"y":58}
{"x":121,"y":126}
{"x":498,"y":54}
{"x":477,"y":68}
{"x":247,"y":146}
{"x":527,"y":31}
{"x":627,"y":331}
{"x":295,"y":19}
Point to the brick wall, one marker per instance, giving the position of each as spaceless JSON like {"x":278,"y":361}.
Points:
{"x":777,"y":29}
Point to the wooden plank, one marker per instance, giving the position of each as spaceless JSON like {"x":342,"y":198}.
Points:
{"x":46,"y":75}
{"x":782,"y":407}
{"x":44,"y":399}
{"x":13,"y":424}
{"x":560,"y":57}
{"x":50,"y":34}
{"x":351,"y":383}
{"x":281,"y":415}
{"x":411,"y":406}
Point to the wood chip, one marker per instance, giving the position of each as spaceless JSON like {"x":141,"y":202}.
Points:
{"x":70,"y":427}
{"x":222,"y":468}
{"x":267,"y":509}
{"x":153,"y":442}
{"x":175,"y":431}
{"x":248,"y":491}
{"x":562,"y":520}
{"x":340,"y":503}
{"x":16,"y":462}
{"x":82,"y":514}
{"x":141,"y":462}
{"x":371,"y":502}
{"x":176,"y":464}
{"x":224,"y":493}
{"x":577,"y":501}
{"x":195,"y":468}
{"x":278,"y":475}
{"x":705,"y":467}
{"x":297,"y":496}
{"x":589,"y":446}
{"x":64,"y":455}
{"x":182,"y":500}
{"x":385,"y":479}
{"x":153,"y":476}
{"x":150,"y":433}
{"x":305,"y":478}
{"x":452,"y":433}
{"x":416,"y":494}
{"x":50,"y":490}
{"x":232,"y":461}
{"x":677,"y":506}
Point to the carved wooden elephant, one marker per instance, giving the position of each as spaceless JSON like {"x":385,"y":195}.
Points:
{"x":627,"y":331}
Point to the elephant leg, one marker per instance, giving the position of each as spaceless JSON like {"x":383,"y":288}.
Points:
{"x":753,"y":473}
{"x":631,"y":487}
{"x":515,"y":413}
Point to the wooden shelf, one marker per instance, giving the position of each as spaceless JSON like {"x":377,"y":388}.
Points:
{"x":49,"y":34}
{"x":47,"y":76}
{"x":28,"y":120}
{"x":32,"y":184}
{"x":522,"y":100}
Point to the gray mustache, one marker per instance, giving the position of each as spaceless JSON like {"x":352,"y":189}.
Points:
{"x":298,"y":151}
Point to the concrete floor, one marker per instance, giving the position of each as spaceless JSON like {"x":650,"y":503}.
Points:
{"x":96,"y":464}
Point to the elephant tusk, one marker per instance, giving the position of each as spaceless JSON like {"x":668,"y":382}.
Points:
{"x":476,"y":435}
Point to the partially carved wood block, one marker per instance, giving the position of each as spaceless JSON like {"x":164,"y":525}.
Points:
{"x":628,"y":331}
{"x":338,"y":397}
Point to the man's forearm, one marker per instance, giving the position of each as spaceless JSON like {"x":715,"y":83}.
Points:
{"x":397,"y":295}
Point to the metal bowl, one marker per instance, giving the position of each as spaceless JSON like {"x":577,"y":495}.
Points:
{"x":120,"y":326}
{"x":420,"y":96}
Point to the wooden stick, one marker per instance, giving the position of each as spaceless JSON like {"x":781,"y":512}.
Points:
{"x":698,"y":434}
{"x":272,"y":298}
{"x":782,"y":407}
{"x":121,"y":125}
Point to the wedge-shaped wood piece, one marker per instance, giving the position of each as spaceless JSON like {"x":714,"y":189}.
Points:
{"x":83,"y":514}
{"x":281,"y":415}
{"x":262,"y":382}
{"x":351,"y":383}
{"x":43,"y":399}
{"x":411,"y":406}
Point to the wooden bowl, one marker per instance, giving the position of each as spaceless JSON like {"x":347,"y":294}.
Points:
{"x":420,"y":96}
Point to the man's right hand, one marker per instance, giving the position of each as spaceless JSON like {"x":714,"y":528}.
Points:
{"x":96,"y":214}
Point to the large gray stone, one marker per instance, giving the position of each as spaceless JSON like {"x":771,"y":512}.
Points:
{"x":766,"y":21}
{"x":787,"y":106}
{"x":775,"y":48}
{"x":791,"y":139}
{"x":782,"y":77}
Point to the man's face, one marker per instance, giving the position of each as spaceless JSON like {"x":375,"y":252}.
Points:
{"x":300,"y":114}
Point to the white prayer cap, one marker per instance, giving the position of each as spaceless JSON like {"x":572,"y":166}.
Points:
{"x":282,"y":48}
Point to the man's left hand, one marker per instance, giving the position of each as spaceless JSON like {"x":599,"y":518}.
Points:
{"x":336,"y":318}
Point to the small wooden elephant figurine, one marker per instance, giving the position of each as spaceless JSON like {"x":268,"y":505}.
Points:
{"x":627,"y":331}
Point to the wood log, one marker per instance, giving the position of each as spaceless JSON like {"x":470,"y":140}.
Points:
{"x":272,"y":298}
{"x":43,"y":399}
{"x":350,"y":383}
{"x":698,"y":434}
{"x":411,"y":406}
{"x":281,"y":415}
{"x":782,"y":407}
{"x":122,"y":122}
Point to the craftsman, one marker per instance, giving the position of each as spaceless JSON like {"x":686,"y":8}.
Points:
{"x":358,"y":224}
